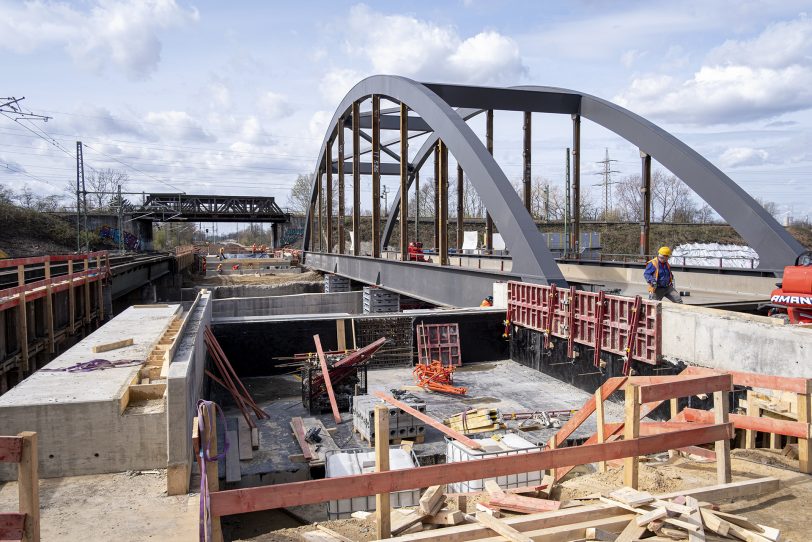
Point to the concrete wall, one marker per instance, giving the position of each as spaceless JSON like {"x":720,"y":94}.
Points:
{"x":186,"y":372}
{"x":735,"y":341}
{"x":342,"y":302}
{"x":263,"y":290}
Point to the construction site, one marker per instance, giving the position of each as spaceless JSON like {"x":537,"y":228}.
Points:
{"x":496,"y":385}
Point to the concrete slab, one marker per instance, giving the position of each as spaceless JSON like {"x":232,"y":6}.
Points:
{"x":77,"y":416}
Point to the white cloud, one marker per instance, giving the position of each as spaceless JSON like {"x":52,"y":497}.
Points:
{"x":743,"y":156}
{"x":335,"y":84}
{"x":740,"y":81}
{"x":405,"y":45}
{"x":628,"y":58}
{"x":275,"y":106}
{"x":177,"y":126}
{"x":120,"y":34}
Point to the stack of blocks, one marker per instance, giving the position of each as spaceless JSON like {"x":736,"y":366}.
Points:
{"x":402,"y":426}
{"x":377,"y":300}
{"x":334,"y":284}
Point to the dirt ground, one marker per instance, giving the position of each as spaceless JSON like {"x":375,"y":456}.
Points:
{"x":124,"y":507}
{"x":281,"y":278}
{"x":780,"y":509}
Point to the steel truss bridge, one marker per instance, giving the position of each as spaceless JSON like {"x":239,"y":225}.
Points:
{"x":195,"y":208}
{"x":440,"y":112}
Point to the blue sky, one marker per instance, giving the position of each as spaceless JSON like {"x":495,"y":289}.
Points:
{"x":217,"y":97}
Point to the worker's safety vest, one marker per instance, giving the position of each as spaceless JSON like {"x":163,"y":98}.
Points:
{"x":656,"y":263}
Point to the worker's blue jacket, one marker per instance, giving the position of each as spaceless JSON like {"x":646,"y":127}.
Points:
{"x":658,"y":272}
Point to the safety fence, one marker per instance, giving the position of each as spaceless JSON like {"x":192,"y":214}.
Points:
{"x":22,"y":525}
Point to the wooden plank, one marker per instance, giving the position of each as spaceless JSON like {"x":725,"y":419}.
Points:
{"x":298,"y":431}
{"x":720,"y":413}
{"x":754,"y":412}
{"x":525,"y":505}
{"x":734,"y":490}
{"x":631,"y":533}
{"x":341,"y":335}
{"x":502,"y":528}
{"x":599,"y":422}
{"x":568,"y":532}
{"x":232,"y":458}
{"x":402,"y":520}
{"x":10,"y":449}
{"x":631,"y":430}
{"x":210,"y":436}
{"x":432,"y":500}
{"x":805,"y":444}
{"x":608,"y":388}
{"x":71,"y":299}
{"x":49,"y":306}
{"x":22,"y":323}
{"x":28,"y":486}
{"x":315,"y":491}
{"x":685,"y":387}
{"x":336,"y":536}
{"x":789,"y":428}
{"x":87,"y":292}
{"x":758,"y":380}
{"x":244,"y":435}
{"x":12,"y":526}
{"x":430,"y":421}
{"x":325,"y":374}
{"x":382,"y":513}
{"x":445,"y":516}
{"x":115,"y":345}
{"x":651,"y":515}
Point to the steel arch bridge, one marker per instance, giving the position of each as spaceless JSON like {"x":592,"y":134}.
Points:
{"x":440,"y":111}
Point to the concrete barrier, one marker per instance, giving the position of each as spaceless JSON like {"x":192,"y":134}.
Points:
{"x":735,"y":341}
{"x":341,"y":302}
{"x":184,"y":383}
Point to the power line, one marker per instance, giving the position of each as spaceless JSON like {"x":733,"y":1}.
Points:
{"x":132,"y":167}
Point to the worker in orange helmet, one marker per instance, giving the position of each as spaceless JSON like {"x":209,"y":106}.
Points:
{"x":487,"y":302}
{"x":660,"y":279}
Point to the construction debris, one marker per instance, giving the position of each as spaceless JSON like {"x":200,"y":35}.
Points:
{"x":437,"y":377}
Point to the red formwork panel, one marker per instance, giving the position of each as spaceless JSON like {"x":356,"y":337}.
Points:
{"x":439,"y":342}
{"x":575,"y":317}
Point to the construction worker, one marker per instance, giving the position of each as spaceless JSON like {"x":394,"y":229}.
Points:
{"x":222,"y":253}
{"x":487,"y":302}
{"x":660,"y":279}
{"x":219,"y":269}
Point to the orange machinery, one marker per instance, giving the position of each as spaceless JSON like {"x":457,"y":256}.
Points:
{"x":793,"y":296}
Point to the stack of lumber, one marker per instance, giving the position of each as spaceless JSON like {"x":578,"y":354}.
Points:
{"x":474,"y":421}
{"x":624,"y":515}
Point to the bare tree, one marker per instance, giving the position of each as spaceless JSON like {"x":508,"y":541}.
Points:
{"x":102,"y":186}
{"x":7,"y":194}
{"x":26,"y":197}
{"x":769,"y":206}
{"x":299,"y":197}
{"x":671,"y":199}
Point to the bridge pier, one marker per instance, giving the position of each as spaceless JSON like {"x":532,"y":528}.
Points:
{"x":145,"y":234}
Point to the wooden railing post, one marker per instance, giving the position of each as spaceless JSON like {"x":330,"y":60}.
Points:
{"x":22,"y":325}
{"x":631,"y":431}
{"x":71,"y":298}
{"x":674,"y":406}
{"x":87,"y":289}
{"x":599,"y":421}
{"x":720,"y":411}
{"x":805,"y":444}
{"x":49,"y":306}
{"x":210,"y":436}
{"x":99,"y":289}
{"x":383,"y":526}
{"x":28,"y":486}
{"x":752,"y":410}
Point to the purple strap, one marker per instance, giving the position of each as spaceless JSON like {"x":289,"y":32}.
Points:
{"x":96,"y":365}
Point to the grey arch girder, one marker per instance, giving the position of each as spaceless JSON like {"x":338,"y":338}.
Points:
{"x":531,"y":258}
{"x":774,"y":245}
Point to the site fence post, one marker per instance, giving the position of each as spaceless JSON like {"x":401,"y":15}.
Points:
{"x":71,"y":298}
{"x":28,"y":486}
{"x":631,"y":430}
{"x":599,"y":421}
{"x":720,"y":411}
{"x":383,"y":524}
{"x":674,"y":407}
{"x":22,"y":311}
{"x":805,"y":445}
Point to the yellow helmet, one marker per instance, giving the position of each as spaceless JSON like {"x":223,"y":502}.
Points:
{"x":664,"y":251}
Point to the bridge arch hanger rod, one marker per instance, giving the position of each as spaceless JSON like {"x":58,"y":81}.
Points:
{"x":532,"y":260}
{"x":774,"y":245}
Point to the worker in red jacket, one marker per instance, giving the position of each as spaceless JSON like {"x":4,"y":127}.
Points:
{"x":660,"y":279}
